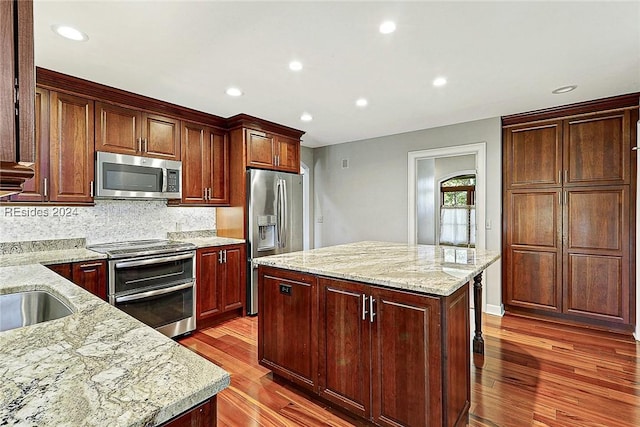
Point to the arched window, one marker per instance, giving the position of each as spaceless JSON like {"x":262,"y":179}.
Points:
{"x":457,"y":211}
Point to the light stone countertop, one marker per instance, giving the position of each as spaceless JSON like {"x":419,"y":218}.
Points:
{"x":205,"y":242}
{"x":50,"y":257}
{"x":96,"y":367}
{"x":435,"y":270}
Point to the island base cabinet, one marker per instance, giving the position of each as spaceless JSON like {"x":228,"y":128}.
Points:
{"x":392,"y":357}
{"x":287,"y":330}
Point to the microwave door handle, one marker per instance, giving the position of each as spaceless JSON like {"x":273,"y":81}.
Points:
{"x":150,"y":294}
{"x":138,"y":263}
{"x":164,"y":180}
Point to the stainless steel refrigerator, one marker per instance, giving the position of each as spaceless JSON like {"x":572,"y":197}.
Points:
{"x":275,"y":221}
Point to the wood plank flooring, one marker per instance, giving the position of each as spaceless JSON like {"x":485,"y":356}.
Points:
{"x":533,"y":374}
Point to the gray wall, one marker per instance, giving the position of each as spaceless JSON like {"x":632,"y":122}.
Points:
{"x":368,"y":200}
{"x":306,"y":157}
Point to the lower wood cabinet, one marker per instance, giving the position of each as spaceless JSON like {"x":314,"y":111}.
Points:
{"x":203,"y":415}
{"x":220,"y":282}
{"x":392,"y":357}
{"x":89,"y":275}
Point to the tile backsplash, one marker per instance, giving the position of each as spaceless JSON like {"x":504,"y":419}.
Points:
{"x":107,"y":221}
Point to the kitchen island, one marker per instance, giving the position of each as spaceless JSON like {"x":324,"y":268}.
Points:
{"x":97,"y":366}
{"x":379,"y":329}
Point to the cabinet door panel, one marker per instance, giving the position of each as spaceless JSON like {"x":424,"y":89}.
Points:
{"x":288,"y":326}
{"x":595,"y":287}
{"x":344,"y":342}
{"x":219,"y":147}
{"x":534,"y":219}
{"x":260,"y":149}
{"x":534,"y":156}
{"x":597,"y":218}
{"x":72,"y":148}
{"x":34,"y":189}
{"x":63,"y":270}
{"x":406,"y":388}
{"x":233,"y":286}
{"x":597,"y":150}
{"x":289,"y":154}
{"x":208,"y":283}
{"x":534,"y":280}
{"x":195,"y":163}
{"x":162,"y":137}
{"x":92,"y":276}
{"x":117,"y":129}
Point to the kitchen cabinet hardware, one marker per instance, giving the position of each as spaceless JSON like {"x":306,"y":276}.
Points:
{"x":566,"y":175}
{"x":372,"y":312}
{"x":95,"y":264}
{"x":146,"y":146}
{"x":139,"y":144}
{"x":220,"y":257}
{"x":364,"y":307}
{"x":91,"y":188}
{"x":225,"y":256}
{"x":45,"y":187}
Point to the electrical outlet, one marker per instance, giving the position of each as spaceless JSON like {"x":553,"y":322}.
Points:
{"x":488,"y":224}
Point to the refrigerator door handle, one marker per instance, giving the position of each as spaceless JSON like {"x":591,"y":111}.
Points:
{"x":279,"y":211}
{"x":284,"y":217}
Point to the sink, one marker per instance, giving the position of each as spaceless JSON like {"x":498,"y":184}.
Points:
{"x":28,"y":308}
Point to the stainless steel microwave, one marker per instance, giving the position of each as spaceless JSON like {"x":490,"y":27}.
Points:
{"x":121,"y":176}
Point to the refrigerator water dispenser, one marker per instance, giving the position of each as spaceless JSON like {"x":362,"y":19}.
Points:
{"x":266,"y":232}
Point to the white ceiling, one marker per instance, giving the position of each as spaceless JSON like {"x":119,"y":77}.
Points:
{"x":499,"y":58}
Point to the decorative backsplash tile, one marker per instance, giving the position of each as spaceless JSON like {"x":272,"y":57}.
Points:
{"x":107,"y":221}
{"x":40,"y":245}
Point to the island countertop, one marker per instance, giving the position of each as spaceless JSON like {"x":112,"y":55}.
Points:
{"x":95,"y":367}
{"x":435,"y":270}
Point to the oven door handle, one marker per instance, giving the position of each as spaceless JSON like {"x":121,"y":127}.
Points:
{"x":150,"y":261}
{"x":150,"y":294}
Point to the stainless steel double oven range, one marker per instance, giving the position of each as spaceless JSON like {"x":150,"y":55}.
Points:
{"x":153,"y":281}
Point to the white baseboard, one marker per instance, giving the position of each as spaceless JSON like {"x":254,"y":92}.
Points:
{"x":496,"y":310}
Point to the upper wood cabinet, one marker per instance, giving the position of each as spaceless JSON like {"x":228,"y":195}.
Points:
{"x":271,"y":151}
{"x":17,"y":84}
{"x":71,"y":167}
{"x":205,"y":165}
{"x":128,"y":131}
{"x":585,"y":150}
{"x":64,"y":172}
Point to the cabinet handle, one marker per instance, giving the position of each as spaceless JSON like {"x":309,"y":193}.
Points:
{"x":139,"y":144}
{"x":146,"y":147}
{"x":91,"y":188}
{"x":364,"y":307}
{"x":559,"y":177}
{"x":45,"y":185}
{"x":209,"y":193}
{"x":204,"y":194}
{"x":95,"y":264}
{"x":220,"y":257}
{"x":225,"y":256}
{"x":371,"y":312}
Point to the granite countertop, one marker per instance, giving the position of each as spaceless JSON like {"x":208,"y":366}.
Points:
{"x":50,"y":257}
{"x":435,"y":270}
{"x":96,"y":367}
{"x":205,"y":242}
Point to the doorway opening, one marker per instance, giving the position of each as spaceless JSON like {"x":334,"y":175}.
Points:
{"x":427,"y":170}
{"x":457,"y":210}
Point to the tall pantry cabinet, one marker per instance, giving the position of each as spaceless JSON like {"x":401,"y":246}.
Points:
{"x":569,"y":213}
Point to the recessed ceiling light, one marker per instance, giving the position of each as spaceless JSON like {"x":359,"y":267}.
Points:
{"x":362,"y":102}
{"x":295,"y":65}
{"x":440,"y":81}
{"x":387,"y":27}
{"x":70,"y":33}
{"x":234,"y":91}
{"x":564,"y":89}
{"x":306,"y":117}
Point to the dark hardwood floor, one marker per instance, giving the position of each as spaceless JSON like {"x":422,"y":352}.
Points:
{"x":533,"y":374}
